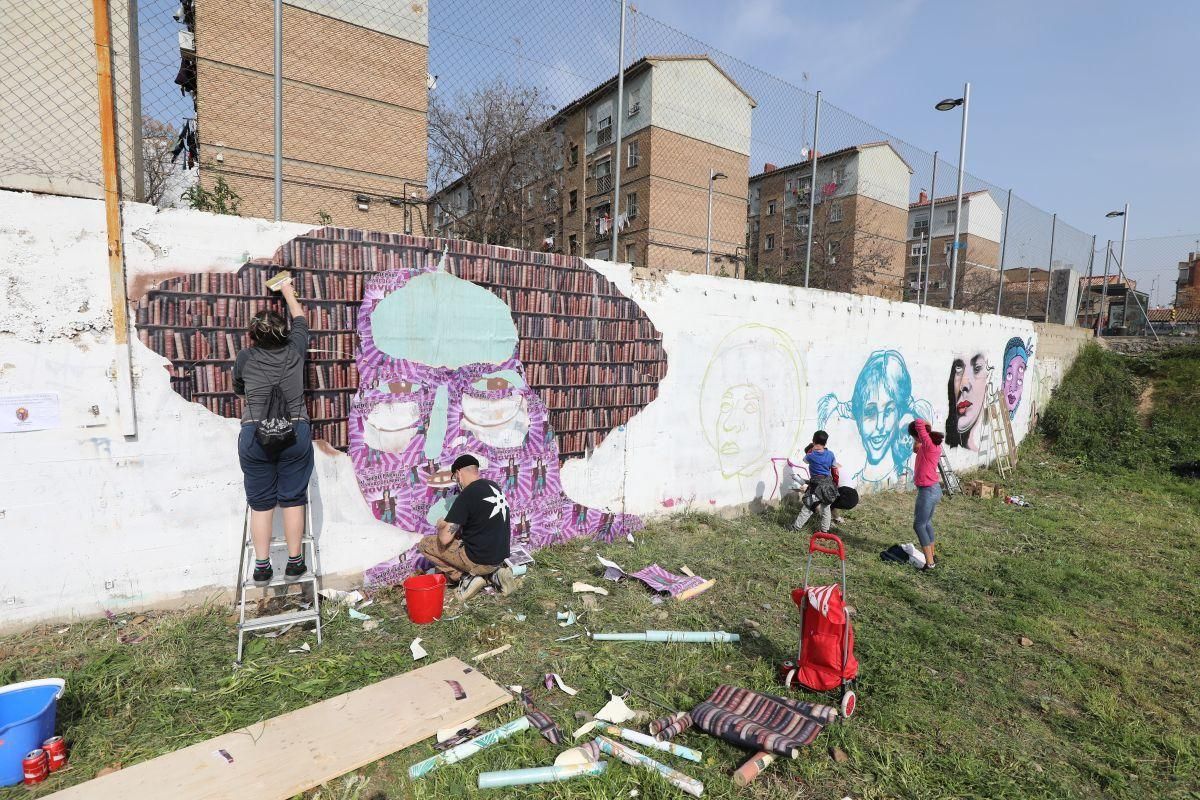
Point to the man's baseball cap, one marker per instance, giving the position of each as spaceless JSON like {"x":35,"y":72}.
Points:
{"x":463,"y":461}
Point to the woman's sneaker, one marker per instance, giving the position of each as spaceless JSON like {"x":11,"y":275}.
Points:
{"x":294,"y":570}
{"x":262,"y":575}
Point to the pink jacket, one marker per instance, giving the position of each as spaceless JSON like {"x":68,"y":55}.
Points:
{"x":927,"y":457}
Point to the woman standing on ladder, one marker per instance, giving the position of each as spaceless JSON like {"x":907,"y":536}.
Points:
{"x":275,"y":358}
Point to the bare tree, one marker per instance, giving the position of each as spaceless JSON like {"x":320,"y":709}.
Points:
{"x":496,"y":142}
{"x":158,"y":139}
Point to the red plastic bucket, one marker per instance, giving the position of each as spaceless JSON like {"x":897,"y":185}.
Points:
{"x":424,"y":596}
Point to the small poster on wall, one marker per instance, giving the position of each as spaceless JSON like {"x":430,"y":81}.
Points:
{"x":28,"y":412}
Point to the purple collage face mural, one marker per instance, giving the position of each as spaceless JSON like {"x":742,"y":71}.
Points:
{"x":439,"y":377}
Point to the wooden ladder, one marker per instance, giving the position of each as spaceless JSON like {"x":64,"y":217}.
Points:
{"x":1004,"y":451}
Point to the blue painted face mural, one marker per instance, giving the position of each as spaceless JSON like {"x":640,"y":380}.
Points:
{"x":881,"y":406}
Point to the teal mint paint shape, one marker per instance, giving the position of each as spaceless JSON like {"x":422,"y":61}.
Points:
{"x":435,"y":437}
{"x":438,"y":511}
{"x":441,"y":320}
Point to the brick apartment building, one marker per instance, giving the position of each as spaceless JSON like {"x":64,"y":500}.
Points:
{"x":978,"y":263}
{"x":354,"y":108}
{"x":1187,"y":285}
{"x":859,"y":221}
{"x":684,"y":117}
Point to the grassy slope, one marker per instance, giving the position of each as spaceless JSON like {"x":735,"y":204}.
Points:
{"x":1101,"y":574}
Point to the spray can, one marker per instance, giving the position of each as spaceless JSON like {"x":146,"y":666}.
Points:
{"x":36,"y":767}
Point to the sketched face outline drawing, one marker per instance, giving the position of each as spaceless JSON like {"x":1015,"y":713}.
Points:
{"x":1016,"y":364}
{"x":966,"y":392}
{"x":751,"y":398}
{"x":439,"y":377}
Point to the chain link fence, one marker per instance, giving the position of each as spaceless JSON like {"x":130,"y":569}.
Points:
{"x":501,"y":124}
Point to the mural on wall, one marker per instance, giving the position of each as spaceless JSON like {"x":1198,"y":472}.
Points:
{"x":967,"y":395}
{"x":523,"y":359}
{"x":881,"y":406}
{"x":752,"y":400}
{"x":440,"y":377}
{"x":1047,"y":375}
{"x":1015,"y":364}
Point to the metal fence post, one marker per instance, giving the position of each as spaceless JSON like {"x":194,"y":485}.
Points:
{"x":278,"y":110}
{"x":812,"y":190}
{"x":1050,"y":266}
{"x":1079,"y":295}
{"x":616,"y":209}
{"x":1003,"y":250}
{"x":923,"y":290}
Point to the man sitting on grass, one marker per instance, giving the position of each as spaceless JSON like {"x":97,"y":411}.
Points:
{"x":471,"y":543}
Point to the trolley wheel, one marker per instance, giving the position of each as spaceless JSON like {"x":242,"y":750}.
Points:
{"x":849,"y":703}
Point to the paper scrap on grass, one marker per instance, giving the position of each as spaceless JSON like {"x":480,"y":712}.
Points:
{"x":518,"y":556}
{"x":586,"y":728}
{"x":616,"y":711}
{"x":502,"y":648}
{"x":568,"y":638}
{"x":663,"y":582}
{"x":370,"y":624}
{"x":418,"y":652}
{"x":339,"y":597}
{"x":580,"y":586}
{"x":612,"y":570}
{"x":356,"y":614}
{"x":554,"y":679}
{"x":304,"y":648}
{"x":566,"y":618}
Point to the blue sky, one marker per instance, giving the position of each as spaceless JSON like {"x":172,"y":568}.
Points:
{"x":1081,"y":106}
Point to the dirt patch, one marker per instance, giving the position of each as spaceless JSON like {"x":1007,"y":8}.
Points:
{"x":1145,"y":406}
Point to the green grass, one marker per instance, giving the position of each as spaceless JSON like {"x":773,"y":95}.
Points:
{"x":1101,"y":574}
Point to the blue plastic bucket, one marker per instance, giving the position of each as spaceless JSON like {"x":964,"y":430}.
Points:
{"x":27,"y":712}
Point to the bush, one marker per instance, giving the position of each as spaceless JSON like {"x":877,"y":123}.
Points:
{"x":1092,"y":417}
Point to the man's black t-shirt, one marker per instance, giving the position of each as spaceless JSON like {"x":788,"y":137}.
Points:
{"x":482,"y":512}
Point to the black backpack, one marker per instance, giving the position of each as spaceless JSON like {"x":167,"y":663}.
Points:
{"x":274,"y":431}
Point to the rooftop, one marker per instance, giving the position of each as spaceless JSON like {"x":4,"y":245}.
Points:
{"x":854,"y":148}
{"x":948,"y":199}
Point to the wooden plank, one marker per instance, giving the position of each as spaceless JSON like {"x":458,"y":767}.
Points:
{"x":284,"y":756}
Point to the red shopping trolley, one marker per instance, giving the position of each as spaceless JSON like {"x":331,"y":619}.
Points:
{"x":825,"y":658}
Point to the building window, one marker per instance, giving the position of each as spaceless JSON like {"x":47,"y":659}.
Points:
{"x":787,"y":186}
{"x":574,"y":199}
{"x":573,"y":244}
{"x":835,"y":212}
{"x":771,"y":209}
{"x":770,"y":243}
{"x":631,"y":254}
{"x":805,"y":188}
{"x":603,"y":168}
{"x":634,"y":155}
{"x":918,"y":249}
{"x":951,"y":213}
{"x":837,"y":175}
{"x":631,"y":207}
{"x":574,"y":154}
{"x":920,"y":226}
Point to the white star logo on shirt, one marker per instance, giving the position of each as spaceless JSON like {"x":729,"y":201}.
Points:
{"x":499,"y":504}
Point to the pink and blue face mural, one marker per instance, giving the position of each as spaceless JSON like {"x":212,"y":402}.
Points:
{"x":967,"y":393}
{"x":1016,"y":362}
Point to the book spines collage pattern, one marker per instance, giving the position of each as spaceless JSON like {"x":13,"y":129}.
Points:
{"x":592,"y":354}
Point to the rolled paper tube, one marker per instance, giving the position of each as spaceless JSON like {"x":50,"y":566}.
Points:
{"x":634,"y":758}
{"x":662,"y":723}
{"x":518,"y":571}
{"x":520,"y":777}
{"x":674,"y":726}
{"x":468,"y":748}
{"x":669,"y":636}
{"x":747,"y":772}
{"x":649,"y":741}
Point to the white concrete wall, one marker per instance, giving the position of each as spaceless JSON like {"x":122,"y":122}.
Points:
{"x":982,"y":217}
{"x":92,"y":521}
{"x":694,"y":99}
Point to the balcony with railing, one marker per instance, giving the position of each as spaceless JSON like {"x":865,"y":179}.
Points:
{"x":603,"y":136}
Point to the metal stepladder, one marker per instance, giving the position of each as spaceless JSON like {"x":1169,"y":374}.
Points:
{"x":950,"y":482}
{"x":312,"y":578}
{"x":1000,"y":432}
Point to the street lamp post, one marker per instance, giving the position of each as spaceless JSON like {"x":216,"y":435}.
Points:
{"x":1124,"y":215}
{"x":713,"y":177}
{"x":949,"y":105}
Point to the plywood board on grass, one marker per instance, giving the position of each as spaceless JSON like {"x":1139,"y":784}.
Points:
{"x":284,"y":756}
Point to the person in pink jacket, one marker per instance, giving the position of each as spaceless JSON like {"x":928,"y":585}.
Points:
{"x":928,"y":446}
